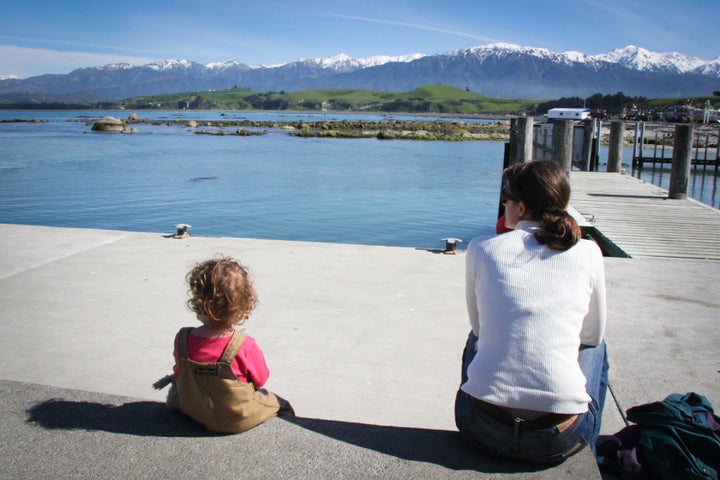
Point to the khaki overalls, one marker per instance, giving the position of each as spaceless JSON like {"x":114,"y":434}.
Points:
{"x":213,"y":395}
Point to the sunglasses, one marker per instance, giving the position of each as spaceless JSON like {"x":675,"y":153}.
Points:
{"x":505,"y":195}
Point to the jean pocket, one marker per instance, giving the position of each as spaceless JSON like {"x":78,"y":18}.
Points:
{"x":564,"y":454}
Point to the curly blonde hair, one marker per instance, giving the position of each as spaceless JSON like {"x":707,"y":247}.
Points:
{"x":221,"y":292}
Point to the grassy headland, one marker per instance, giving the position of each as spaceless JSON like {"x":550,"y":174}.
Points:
{"x":427,"y":99}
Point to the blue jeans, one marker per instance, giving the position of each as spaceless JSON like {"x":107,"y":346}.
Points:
{"x":544,"y":445}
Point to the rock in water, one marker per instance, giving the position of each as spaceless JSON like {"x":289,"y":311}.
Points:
{"x":109,"y":124}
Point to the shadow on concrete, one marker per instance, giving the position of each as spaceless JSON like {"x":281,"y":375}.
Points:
{"x":143,"y":418}
{"x":448,"y":449}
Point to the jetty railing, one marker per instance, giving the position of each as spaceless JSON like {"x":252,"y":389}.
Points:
{"x":657,"y":148}
{"x":579,"y":142}
{"x":574,"y":144}
{"x":569,"y":143}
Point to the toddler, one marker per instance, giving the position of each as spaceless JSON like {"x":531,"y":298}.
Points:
{"x":219,"y":371}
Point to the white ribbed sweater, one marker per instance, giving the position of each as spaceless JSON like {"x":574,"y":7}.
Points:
{"x":531,"y":308}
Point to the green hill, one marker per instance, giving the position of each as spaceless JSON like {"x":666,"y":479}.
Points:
{"x":426,"y":99}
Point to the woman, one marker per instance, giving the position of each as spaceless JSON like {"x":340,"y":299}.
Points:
{"x":534,"y":372}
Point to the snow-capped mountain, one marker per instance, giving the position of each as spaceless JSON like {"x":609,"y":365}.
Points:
{"x":337,"y":63}
{"x":632,"y":57}
{"x":170,"y":65}
{"x":345,"y":63}
{"x":638,"y":58}
{"x":710,"y":69}
{"x":496,"y":70}
{"x":504,"y":50}
{"x":227,"y":64}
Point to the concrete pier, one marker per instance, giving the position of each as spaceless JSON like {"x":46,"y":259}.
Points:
{"x":365,"y":342}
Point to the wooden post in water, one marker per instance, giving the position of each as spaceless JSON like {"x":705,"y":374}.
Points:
{"x":506,"y":163}
{"x":642,"y":139}
{"x":717,"y":152}
{"x":596,"y":146}
{"x":588,"y":132}
{"x":617,"y":129}
{"x":524,"y":149}
{"x":562,"y":138}
{"x":512,"y":145}
{"x":635,"y":143}
{"x":680,"y":170}
{"x":520,"y":147}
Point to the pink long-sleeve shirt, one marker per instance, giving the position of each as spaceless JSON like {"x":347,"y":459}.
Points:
{"x":249,"y":364}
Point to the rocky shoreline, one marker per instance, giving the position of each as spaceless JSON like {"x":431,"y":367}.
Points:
{"x":495,"y":129}
{"x":384,"y":130}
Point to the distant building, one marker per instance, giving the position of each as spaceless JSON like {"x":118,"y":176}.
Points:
{"x":577,"y":114}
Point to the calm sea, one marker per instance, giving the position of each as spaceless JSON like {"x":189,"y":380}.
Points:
{"x":364,"y":191}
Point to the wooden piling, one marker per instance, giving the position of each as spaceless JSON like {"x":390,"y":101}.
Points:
{"x":596,"y":145}
{"x":524,"y":149}
{"x":617,"y":129}
{"x":562,"y":138}
{"x":635,"y":143}
{"x":638,"y":160}
{"x":717,"y":152}
{"x":681,"y":160}
{"x":588,"y":133}
{"x":519,"y":149}
{"x":512,"y":146}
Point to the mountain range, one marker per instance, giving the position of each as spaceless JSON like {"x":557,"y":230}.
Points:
{"x":496,"y":70}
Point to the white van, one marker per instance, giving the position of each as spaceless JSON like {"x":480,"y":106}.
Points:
{"x":577,"y":114}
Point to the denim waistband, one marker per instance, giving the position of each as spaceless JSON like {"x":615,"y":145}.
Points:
{"x":560,"y":420}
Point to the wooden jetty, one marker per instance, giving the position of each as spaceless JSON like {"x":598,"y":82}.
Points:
{"x":626,"y":216}
{"x":640,"y":219}
{"x":705,"y":159}
{"x":660,"y":149}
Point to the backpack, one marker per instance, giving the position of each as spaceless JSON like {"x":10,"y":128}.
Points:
{"x":677,"y":438}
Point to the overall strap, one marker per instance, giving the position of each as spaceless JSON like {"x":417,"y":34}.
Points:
{"x":182,"y":347}
{"x":233,"y":347}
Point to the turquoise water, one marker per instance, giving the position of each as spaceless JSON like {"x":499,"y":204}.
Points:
{"x":365,"y":191}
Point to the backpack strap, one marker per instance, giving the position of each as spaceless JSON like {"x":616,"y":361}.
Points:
{"x":233,"y":347}
{"x":182,"y":347}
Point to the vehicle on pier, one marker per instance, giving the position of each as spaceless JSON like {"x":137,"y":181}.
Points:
{"x":635,"y":113}
{"x":689,"y":114}
{"x":577,"y":114}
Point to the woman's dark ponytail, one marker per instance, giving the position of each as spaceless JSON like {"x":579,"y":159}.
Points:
{"x":544,"y":187}
{"x":559,"y":231}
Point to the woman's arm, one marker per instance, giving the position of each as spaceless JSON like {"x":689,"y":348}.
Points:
{"x":470,"y":296}
{"x":593,"y":329}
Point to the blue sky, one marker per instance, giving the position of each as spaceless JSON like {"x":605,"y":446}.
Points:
{"x":58,"y":36}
